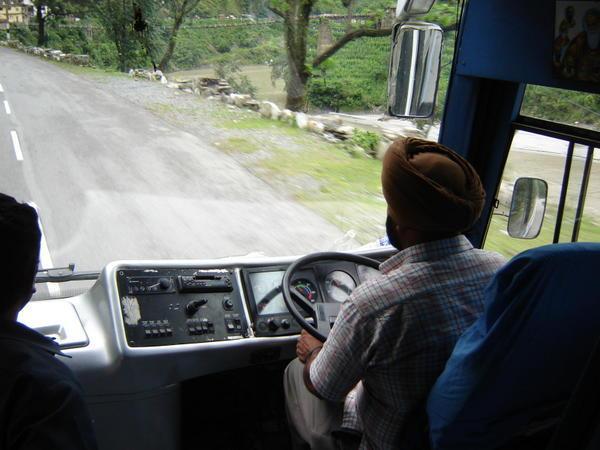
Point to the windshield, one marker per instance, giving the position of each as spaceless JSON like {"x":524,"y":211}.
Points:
{"x":192,"y":129}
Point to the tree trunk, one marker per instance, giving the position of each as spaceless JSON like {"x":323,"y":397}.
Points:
{"x":41,"y":21}
{"x":164,"y":62}
{"x":296,"y":27}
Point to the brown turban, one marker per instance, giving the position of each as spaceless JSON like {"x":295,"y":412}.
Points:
{"x":429,"y":187}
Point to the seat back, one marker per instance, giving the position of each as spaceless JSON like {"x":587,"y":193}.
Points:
{"x":523,"y":357}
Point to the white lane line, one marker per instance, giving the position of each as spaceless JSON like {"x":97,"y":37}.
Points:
{"x":6,"y":107}
{"x":45,"y":258}
{"x":1,"y":88}
{"x":16,"y":145}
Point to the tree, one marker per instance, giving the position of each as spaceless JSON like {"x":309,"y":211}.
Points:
{"x":351,"y":34}
{"x":177,"y":10}
{"x":130,"y":25}
{"x":49,"y":9}
{"x":296,"y":17}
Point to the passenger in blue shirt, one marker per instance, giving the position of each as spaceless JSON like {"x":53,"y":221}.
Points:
{"x":41,"y":402}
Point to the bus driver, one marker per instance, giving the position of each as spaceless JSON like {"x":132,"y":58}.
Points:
{"x":394,"y":333}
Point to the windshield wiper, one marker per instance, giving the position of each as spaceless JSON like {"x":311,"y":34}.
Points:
{"x":62,"y":274}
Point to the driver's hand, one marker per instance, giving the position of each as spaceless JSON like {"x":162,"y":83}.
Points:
{"x":306,"y":343}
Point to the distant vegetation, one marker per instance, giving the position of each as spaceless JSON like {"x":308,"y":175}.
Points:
{"x":353,"y":79}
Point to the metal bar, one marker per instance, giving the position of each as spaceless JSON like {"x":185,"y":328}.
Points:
{"x":582,"y":193}
{"x":558,"y":130}
{"x":77,"y":276}
{"x":563,"y":192}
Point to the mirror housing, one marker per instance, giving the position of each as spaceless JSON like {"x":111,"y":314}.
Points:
{"x":414,"y":69}
{"x":527,"y":208}
{"x":407,"y":8}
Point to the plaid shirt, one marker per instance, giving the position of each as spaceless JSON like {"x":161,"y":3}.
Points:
{"x":394,"y":334}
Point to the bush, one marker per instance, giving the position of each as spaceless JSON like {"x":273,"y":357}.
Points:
{"x":23,"y":34}
{"x":333,"y":95}
{"x":367,"y":140}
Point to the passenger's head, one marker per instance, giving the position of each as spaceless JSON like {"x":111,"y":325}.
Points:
{"x":19,"y":251}
{"x":432,"y":192}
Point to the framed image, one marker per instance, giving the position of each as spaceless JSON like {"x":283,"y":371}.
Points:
{"x":576,"y":49}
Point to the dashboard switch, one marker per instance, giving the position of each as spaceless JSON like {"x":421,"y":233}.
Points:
{"x":227,"y":304}
{"x":273,"y":325}
{"x":194,"y":306}
{"x":164,"y":283}
{"x":285,"y":324}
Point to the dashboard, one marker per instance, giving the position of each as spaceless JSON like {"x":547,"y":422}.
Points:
{"x":172,"y":306}
{"x":145,"y":327}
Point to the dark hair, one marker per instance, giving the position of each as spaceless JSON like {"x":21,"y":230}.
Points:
{"x":19,"y":250}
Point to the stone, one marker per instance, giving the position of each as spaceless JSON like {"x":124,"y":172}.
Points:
{"x":315,"y":127}
{"x":185,"y":85}
{"x":239,"y":99}
{"x":269,"y":110}
{"x":252,"y":104}
{"x":345,"y":129}
{"x":228,"y":98}
{"x":301,"y":120}
{"x":342,"y":133}
{"x":287,"y":115}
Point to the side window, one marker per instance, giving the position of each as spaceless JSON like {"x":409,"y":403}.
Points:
{"x":572,"y":173}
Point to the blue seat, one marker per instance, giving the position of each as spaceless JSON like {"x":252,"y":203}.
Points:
{"x":521,"y":360}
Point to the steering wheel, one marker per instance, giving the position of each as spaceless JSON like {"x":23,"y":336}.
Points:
{"x":322,"y":313}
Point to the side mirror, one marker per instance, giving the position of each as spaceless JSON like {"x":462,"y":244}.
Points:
{"x":407,"y":8}
{"x":414,"y":69}
{"x":527,"y":208}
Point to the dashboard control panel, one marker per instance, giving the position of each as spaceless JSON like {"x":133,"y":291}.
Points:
{"x":180,"y":306}
{"x":270,"y":316}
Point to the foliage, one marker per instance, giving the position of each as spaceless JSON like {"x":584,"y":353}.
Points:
{"x":333,"y":96}
{"x":23,"y":34}
{"x":354,"y":79}
{"x":367,"y":140}
{"x":131,"y":26}
{"x":558,"y":105}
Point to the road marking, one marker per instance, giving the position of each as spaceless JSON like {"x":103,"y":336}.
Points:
{"x":6,"y":107}
{"x":16,"y":145}
{"x":45,"y":258}
{"x":1,"y":88}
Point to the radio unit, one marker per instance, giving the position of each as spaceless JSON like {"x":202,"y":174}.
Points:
{"x":178,"y":306}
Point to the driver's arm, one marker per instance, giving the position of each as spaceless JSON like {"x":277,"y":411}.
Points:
{"x":332,"y":372}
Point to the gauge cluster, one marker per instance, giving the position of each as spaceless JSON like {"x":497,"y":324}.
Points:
{"x":323,"y":282}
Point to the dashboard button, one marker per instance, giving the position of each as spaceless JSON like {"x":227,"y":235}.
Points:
{"x":285,"y":324}
{"x":273,"y":325}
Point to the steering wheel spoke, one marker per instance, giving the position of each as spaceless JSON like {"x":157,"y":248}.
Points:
{"x":303,"y":302}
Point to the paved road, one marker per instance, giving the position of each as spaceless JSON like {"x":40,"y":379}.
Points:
{"x":112,"y":181}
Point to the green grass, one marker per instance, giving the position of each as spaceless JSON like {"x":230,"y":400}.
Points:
{"x":238,"y":145}
{"x":259,"y":123}
{"x":498,"y":239}
{"x":341,"y":186}
{"x":95,"y":72}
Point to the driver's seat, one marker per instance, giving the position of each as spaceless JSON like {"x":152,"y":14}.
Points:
{"x":512,"y":372}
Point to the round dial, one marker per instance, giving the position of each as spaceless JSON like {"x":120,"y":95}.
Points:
{"x":307,"y":289}
{"x":339,"y":285}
